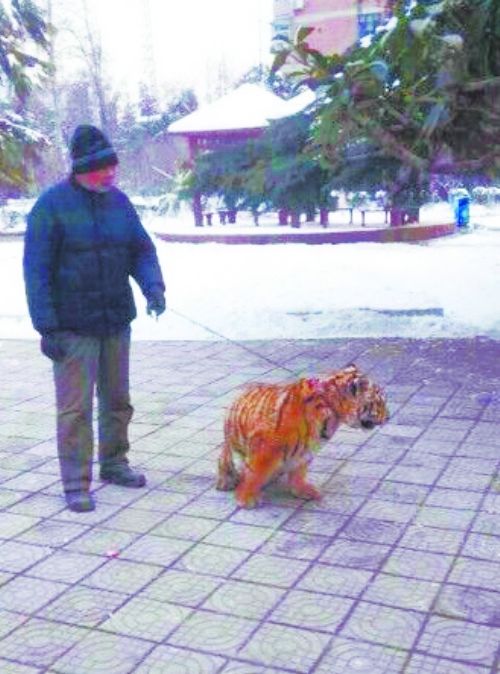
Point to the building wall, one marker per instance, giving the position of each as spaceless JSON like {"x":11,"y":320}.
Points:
{"x":337,"y":23}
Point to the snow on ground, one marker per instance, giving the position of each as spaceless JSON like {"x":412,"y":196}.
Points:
{"x":445,"y":287}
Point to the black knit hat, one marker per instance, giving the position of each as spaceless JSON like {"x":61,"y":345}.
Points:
{"x":91,"y":150}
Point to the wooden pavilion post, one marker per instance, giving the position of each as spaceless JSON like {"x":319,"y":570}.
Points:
{"x":196,"y":204}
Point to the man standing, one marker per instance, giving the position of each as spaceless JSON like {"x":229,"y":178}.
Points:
{"x":83,"y":242}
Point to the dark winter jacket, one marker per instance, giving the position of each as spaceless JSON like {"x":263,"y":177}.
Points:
{"x":80,"y":249}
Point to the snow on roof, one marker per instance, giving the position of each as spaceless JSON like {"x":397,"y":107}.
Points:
{"x":250,"y":106}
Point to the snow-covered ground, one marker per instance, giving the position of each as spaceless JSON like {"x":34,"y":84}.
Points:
{"x":447,"y":287}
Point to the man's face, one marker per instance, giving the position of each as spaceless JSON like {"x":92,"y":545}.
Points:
{"x":100,"y":180}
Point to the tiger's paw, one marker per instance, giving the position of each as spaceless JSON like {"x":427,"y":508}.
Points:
{"x":247,"y":500}
{"x":227,"y":482}
{"x":306,"y":491}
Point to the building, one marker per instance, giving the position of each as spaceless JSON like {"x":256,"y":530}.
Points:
{"x":338,"y":23}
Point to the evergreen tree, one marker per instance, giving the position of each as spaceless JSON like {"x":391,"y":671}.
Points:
{"x":23,"y":43}
{"x":418,"y":102}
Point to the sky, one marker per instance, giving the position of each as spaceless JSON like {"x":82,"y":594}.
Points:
{"x":189,"y":41}
{"x":446,"y":287}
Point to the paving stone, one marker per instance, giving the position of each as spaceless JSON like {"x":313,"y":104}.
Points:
{"x":344,"y":655}
{"x":460,"y":640}
{"x":172,"y":660}
{"x":213,"y":633}
{"x":189,"y":589}
{"x":383,"y":625}
{"x":39,"y":642}
{"x":282,"y":646}
{"x":146,"y":618}
{"x":100,"y":652}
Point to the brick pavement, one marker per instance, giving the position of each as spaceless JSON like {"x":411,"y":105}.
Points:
{"x":397,"y":569}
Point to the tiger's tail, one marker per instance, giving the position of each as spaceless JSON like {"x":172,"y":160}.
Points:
{"x":228,"y":477}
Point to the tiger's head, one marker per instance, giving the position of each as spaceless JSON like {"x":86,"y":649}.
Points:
{"x":354,"y":400}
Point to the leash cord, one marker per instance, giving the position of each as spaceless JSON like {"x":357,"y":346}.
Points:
{"x":231,"y":341}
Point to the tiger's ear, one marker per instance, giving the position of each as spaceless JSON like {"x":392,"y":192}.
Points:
{"x":355,"y":387}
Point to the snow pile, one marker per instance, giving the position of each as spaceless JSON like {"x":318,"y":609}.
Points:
{"x":445,"y":287}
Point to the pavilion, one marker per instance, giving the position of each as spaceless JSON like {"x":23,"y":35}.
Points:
{"x":243,"y":113}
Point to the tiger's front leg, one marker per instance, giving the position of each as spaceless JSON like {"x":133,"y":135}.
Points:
{"x":264,"y":460}
{"x":299,"y":486}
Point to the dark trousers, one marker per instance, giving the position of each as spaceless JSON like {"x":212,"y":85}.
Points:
{"x":92,"y":363}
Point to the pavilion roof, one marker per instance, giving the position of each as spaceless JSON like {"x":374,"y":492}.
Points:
{"x":250,"y":106}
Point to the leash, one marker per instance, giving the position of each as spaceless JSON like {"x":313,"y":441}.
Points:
{"x":233,"y":342}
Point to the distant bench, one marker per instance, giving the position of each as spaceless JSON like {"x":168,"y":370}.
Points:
{"x":394,"y":216}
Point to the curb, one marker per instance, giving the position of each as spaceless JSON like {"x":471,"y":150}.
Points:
{"x":405,"y":233}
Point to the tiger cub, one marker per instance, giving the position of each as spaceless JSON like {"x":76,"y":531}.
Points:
{"x":275,"y":428}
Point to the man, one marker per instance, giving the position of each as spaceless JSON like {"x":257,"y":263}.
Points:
{"x":83,"y":242}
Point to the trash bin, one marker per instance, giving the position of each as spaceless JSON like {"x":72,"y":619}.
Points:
{"x":462,"y":214}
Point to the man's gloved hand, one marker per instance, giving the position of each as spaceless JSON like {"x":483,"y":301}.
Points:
{"x":156,"y":302}
{"x":51,"y":345}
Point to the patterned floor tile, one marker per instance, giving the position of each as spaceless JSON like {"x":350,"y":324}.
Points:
{"x":401,"y":592}
{"x":162,"y":501}
{"x":146,"y":619}
{"x":310,"y":522}
{"x":356,"y":657}
{"x":444,"y":518}
{"x":454,"y":498}
{"x":373,"y":530}
{"x":355,"y":554}
{"x":100,"y":652}
{"x":245,"y":600}
{"x":39,"y":642}
{"x":9,"y":621}
{"x":418,"y":564}
{"x":271,"y":570}
{"x":54,"y":534}
{"x":119,"y":575}
{"x":16,"y":557}
{"x":156,"y":550}
{"x":244,"y":536}
{"x":211,"y":559}
{"x":38,"y":505}
{"x":83,"y":606}
{"x":294,"y":545}
{"x":28,"y":594}
{"x":311,"y":610}
{"x":218,"y":634}
{"x":234,"y":667}
{"x":187,"y":528}
{"x":470,"y":604}
{"x":335,"y":580}
{"x":17,"y":668}
{"x":386,"y":626}
{"x":426,"y":664}
{"x":271,"y":515}
{"x":12,"y":525}
{"x":280,"y":646}
{"x":66,"y":567}
{"x":134,"y":520}
{"x":460,"y":640}
{"x":211,"y":508}
{"x":476,"y":573}
{"x":189,"y":589}
{"x":100,"y":541}
{"x":430,"y":539}
{"x":481,"y":546}
{"x":171,"y":660}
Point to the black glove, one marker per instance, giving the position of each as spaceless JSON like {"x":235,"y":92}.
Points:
{"x":156,"y":302}
{"x":51,"y":345}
